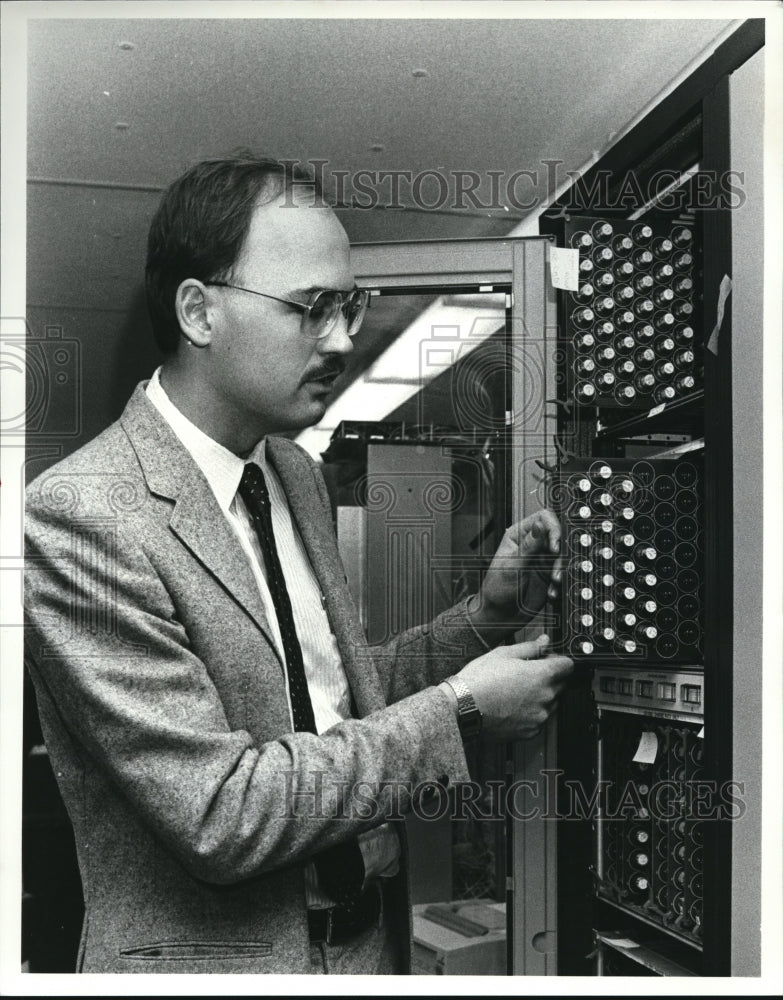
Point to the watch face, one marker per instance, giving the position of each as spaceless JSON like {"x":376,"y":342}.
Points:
{"x":470,"y":722}
{"x":468,"y":715}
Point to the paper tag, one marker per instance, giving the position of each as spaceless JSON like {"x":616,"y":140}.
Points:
{"x":647,"y":750}
{"x":564,"y":268}
{"x":621,"y":942}
{"x":657,"y":409}
{"x":723,"y":294}
{"x":700,"y":734}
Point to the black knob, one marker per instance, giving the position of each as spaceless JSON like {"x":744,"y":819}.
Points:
{"x":644,"y":331}
{"x":682,"y":237}
{"x":585,"y":392}
{"x":663,"y":321}
{"x":583,"y":316}
{"x":603,"y":280}
{"x":642,"y":233}
{"x":663,"y":272}
{"x":602,"y":256}
{"x":682,"y":261}
{"x":582,"y":240}
{"x":662,"y":247}
{"x":682,"y":309}
{"x":683,"y":285}
{"x":602,"y":231}
{"x":604,"y":329}
{"x":684,"y":335}
{"x":643,"y":259}
{"x":644,"y":307}
{"x":643,"y":283}
{"x":663,"y":297}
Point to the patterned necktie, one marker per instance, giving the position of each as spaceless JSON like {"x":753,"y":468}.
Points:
{"x":340,"y":868}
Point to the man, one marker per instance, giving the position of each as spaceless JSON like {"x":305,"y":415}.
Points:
{"x":207,"y":697}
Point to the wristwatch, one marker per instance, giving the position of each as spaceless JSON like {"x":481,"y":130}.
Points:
{"x":468,"y":714}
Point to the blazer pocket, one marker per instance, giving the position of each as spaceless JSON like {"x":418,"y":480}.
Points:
{"x":188,"y":950}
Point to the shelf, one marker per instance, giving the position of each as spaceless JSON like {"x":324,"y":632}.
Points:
{"x":680,"y":416}
{"x":650,"y":957}
{"x":665,"y":932}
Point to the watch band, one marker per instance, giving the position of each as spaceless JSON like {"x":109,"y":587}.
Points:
{"x":468,"y":714}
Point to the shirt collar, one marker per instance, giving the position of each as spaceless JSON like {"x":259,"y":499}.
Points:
{"x":221,"y":467}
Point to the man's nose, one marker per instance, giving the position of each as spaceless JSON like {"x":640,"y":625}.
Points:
{"x":337,"y":340}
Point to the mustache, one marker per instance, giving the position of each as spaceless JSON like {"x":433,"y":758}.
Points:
{"x":324,"y":371}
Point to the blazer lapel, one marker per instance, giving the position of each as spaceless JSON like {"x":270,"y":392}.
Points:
{"x":317,"y":534}
{"x":200,"y":523}
{"x":197,"y":519}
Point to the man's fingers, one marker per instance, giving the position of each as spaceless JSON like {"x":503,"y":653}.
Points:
{"x":553,"y":529}
{"x":561,"y":666}
{"x":556,"y":579}
{"x":557,"y":688}
{"x":533,"y":649}
{"x":542,"y":524}
{"x":546,"y":526}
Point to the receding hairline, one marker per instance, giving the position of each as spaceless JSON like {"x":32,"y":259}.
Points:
{"x":266,"y":207}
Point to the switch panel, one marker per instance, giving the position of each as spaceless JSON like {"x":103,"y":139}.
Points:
{"x":632,"y":546}
{"x":649,"y":834}
{"x":629,"y":331}
{"x":675,"y":694}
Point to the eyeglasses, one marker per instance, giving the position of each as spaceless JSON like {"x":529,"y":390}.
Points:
{"x":321,"y":312}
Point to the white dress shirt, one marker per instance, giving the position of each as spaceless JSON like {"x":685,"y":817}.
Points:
{"x":326,"y":680}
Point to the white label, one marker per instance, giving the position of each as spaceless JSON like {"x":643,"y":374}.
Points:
{"x":621,"y":942}
{"x":564,"y":268}
{"x":700,"y":734}
{"x":723,"y":294}
{"x":657,"y":409}
{"x":647,"y":750}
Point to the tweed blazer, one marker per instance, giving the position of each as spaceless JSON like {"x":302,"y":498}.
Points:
{"x":163,"y":705}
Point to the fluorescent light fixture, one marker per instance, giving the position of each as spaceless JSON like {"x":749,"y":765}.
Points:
{"x":440,"y":336}
{"x":660,"y":195}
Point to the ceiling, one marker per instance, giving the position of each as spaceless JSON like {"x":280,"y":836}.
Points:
{"x":118,"y":108}
{"x":136,"y":101}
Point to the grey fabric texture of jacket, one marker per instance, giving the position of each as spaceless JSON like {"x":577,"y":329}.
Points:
{"x":163,"y":705}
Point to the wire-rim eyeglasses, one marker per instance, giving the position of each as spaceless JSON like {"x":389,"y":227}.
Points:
{"x":319,"y":314}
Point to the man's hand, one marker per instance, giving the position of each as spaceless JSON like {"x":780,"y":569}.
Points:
{"x":525,"y":570}
{"x":515,"y":687}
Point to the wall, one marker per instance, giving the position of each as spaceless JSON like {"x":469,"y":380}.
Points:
{"x":747,"y":301}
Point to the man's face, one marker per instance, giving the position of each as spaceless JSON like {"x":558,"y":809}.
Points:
{"x":263,"y":369}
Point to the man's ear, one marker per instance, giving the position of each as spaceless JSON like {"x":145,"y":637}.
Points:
{"x":191,"y":306}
